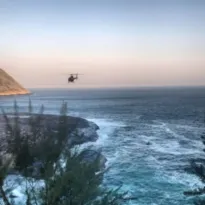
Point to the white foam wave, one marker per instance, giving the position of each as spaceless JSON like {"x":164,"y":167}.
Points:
{"x":188,"y":180}
{"x":106,"y":129}
{"x":177,"y":144}
{"x":18,"y":185}
{"x":162,"y":126}
{"x":174,"y":148}
{"x":106,"y":123}
{"x":105,"y":140}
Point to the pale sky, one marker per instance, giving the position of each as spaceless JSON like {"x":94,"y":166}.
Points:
{"x":112,"y":42}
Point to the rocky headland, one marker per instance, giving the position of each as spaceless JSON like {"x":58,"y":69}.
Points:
{"x":9,"y":86}
{"x":80,"y":131}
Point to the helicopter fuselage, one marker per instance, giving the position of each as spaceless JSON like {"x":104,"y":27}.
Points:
{"x":72,"y":79}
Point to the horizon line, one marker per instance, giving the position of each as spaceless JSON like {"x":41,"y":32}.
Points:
{"x":122,"y":87}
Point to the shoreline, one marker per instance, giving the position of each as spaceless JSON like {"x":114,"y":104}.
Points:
{"x":15,"y":93}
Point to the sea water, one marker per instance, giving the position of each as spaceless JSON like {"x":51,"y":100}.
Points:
{"x":149,"y":135}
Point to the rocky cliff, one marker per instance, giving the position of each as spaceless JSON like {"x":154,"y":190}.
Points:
{"x":79,"y":131}
{"x":8,"y":86}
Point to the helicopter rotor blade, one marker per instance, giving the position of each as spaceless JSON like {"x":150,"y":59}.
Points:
{"x":72,"y":74}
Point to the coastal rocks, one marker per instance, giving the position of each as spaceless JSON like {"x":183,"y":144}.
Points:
{"x":91,"y":156}
{"x":87,"y":156}
{"x":84,"y":132}
{"x":80,"y":131}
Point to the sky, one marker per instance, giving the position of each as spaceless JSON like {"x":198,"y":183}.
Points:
{"x":113,"y":43}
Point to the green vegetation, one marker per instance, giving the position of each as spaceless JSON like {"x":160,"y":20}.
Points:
{"x":41,"y":154}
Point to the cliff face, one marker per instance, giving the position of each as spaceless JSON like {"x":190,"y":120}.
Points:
{"x":8,"y":86}
{"x":79,"y":131}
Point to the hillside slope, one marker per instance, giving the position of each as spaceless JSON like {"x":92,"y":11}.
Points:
{"x":8,"y":86}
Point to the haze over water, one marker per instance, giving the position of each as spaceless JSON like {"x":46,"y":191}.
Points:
{"x":112,"y":42}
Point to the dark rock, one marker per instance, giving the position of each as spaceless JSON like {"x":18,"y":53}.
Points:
{"x":36,"y":170}
{"x":79,"y":131}
{"x":83,"y":135}
{"x":91,"y":156}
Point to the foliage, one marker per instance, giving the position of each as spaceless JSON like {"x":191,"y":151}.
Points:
{"x":34,"y":142}
{"x":41,"y":153}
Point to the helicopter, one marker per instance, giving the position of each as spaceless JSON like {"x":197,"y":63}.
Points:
{"x":73,"y":77}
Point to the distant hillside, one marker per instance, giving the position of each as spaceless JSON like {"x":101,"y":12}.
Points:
{"x":8,"y":86}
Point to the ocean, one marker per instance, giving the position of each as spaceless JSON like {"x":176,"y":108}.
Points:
{"x":149,"y":135}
